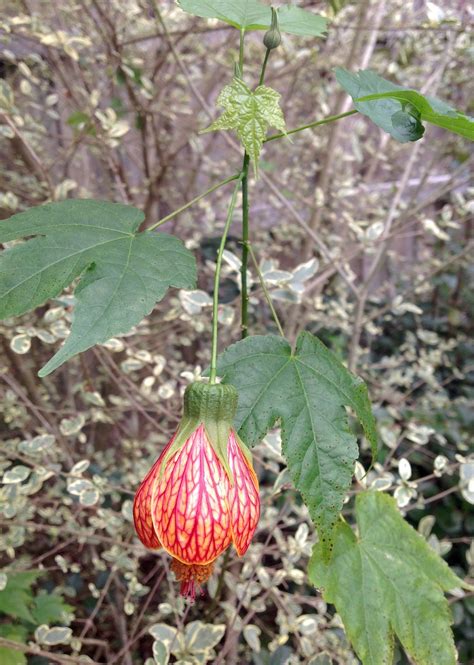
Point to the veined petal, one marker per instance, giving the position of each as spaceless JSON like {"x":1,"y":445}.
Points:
{"x":244,"y":500}
{"x":189,"y":507}
{"x":142,"y":510}
{"x":142,"y":505}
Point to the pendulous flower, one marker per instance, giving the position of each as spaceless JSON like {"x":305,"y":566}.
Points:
{"x":201,"y":494}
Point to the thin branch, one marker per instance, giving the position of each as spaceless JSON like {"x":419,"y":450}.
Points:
{"x":364,"y":292}
{"x":426,"y":278}
{"x":177,"y":57}
{"x":90,"y":619}
{"x":324,"y":251}
{"x":192,"y":30}
{"x":30,"y":154}
{"x":49,"y":655}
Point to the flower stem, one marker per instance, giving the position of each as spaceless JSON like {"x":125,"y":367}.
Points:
{"x":324,"y":121}
{"x":215,"y":300}
{"x":264,"y":66}
{"x":265,"y":290}
{"x":163,"y":220}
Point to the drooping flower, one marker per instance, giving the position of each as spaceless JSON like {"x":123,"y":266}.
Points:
{"x":201,"y":494}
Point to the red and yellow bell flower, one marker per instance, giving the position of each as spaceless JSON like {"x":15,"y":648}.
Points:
{"x":201,"y":494}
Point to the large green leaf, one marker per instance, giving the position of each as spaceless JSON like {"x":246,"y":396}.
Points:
{"x":49,"y":608}
{"x":386,"y":113}
{"x":306,"y":390}
{"x":399,"y":111}
{"x":253,"y":15}
{"x":124,"y":273}
{"x":431,"y":110}
{"x":299,"y":21}
{"x":387,"y":581}
{"x":242,"y":14}
{"x":16,"y":598}
{"x":16,"y":633}
{"x":250,"y":114}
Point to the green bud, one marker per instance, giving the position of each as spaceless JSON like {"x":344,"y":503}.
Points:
{"x":272,"y":38}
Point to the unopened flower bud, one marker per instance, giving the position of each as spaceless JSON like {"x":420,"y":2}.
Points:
{"x":272,"y":38}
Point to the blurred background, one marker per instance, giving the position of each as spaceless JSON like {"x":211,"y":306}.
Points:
{"x":363,"y":241}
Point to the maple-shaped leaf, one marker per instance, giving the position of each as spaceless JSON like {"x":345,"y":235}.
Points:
{"x":124,"y":273}
{"x":387,"y":581}
{"x":15,"y":633}
{"x":401,"y":111}
{"x":250,"y":114}
{"x":254,"y":15}
{"x":50,"y":608}
{"x":16,"y":597}
{"x":306,"y":390}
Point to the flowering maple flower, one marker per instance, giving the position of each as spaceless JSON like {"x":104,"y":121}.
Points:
{"x":201,"y":494}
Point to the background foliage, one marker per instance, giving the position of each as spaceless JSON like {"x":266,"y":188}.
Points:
{"x":362,"y":241}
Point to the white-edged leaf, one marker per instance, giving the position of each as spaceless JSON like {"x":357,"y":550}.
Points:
{"x":163,"y":633}
{"x":201,"y":636}
{"x":21,"y":343}
{"x":252,"y":637}
{"x":161,"y":653}
{"x":17,"y":474}
{"x":52,"y":636}
{"x":37,"y":445}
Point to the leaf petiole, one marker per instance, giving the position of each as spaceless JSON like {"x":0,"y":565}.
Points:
{"x":241,"y":51}
{"x":266,"y":292}
{"x":163,"y":220}
{"x":264,"y":66}
{"x":317,"y":123}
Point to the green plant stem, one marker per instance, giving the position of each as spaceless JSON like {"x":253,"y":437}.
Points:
{"x":245,"y":227}
{"x":324,"y":121}
{"x":245,"y":247}
{"x":215,"y":300}
{"x":241,"y":52}
{"x":265,"y":290}
{"x":163,"y":220}
{"x":264,"y":66}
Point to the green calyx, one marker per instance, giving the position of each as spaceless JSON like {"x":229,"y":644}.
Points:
{"x":272,"y":38}
{"x":211,"y":405}
{"x":206,"y":401}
